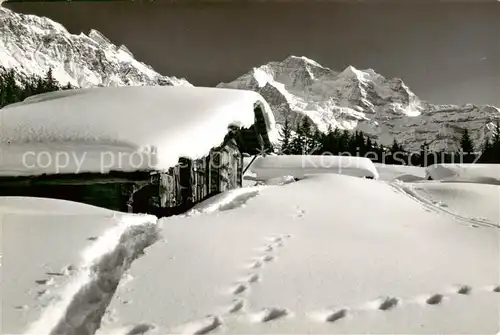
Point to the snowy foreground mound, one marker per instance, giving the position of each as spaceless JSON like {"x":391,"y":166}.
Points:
{"x":327,"y":254}
{"x":33,"y":44}
{"x":364,"y":100}
{"x":62,"y":262}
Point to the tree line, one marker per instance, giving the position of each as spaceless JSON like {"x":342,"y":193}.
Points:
{"x":305,"y":139}
{"x":15,"y":88}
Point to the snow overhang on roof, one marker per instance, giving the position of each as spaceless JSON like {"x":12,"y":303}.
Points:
{"x":121,"y":128}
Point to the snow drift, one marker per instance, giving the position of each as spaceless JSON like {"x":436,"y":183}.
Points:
{"x":300,"y":165}
{"x":472,"y":173}
{"x":121,"y":129}
{"x":405,"y":173}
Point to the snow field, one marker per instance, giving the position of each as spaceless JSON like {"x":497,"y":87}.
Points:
{"x":297,"y":258}
{"x":329,"y":254}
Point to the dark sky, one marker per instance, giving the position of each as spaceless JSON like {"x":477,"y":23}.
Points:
{"x":446,"y":52}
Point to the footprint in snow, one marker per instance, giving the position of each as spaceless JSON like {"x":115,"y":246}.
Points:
{"x":274,"y":239}
{"x":240,"y":288}
{"x":337,"y":315}
{"x":268,"y":248}
{"x":465,"y":290}
{"x":267,"y":258}
{"x":299,"y":213}
{"x":47,"y":282}
{"x":42,"y":293}
{"x":496,"y":289}
{"x":201,"y":327}
{"x":237,"y":306}
{"x":92,"y":238}
{"x":140,"y":329}
{"x":277,"y":241}
{"x":254,"y":278}
{"x":271,"y":314}
{"x":388,"y":303}
{"x":256,"y":265}
{"x":435,"y":299}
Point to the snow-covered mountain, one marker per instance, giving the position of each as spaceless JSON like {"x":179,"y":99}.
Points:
{"x":365,"y":100}
{"x":33,"y":44}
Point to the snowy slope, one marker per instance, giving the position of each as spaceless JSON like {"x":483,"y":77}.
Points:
{"x":33,"y":44}
{"x":328,"y":254}
{"x":62,"y":261}
{"x":478,"y":204}
{"x":365,"y":100}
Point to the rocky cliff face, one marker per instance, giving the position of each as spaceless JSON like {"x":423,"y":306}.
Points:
{"x":365,"y":100}
{"x":33,"y":44}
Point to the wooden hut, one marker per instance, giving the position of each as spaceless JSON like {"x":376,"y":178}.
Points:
{"x":196,"y":154}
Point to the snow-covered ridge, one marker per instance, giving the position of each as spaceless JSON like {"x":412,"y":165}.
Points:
{"x":33,"y":44}
{"x":365,"y":100}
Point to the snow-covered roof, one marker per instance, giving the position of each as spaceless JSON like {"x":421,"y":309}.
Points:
{"x":300,"y":165}
{"x":121,"y":128}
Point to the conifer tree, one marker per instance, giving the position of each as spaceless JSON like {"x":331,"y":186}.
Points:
{"x":286,"y":137}
{"x":495,"y":145}
{"x":15,"y":88}
{"x":486,"y":151}
{"x":466,"y":143}
{"x":50,"y":82}
{"x":467,"y":147}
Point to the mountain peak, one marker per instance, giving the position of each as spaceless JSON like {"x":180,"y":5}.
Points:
{"x":303,"y":60}
{"x":385,"y":109}
{"x":31,"y":45}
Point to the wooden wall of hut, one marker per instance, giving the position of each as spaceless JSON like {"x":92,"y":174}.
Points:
{"x":161,"y":193}
{"x":191,"y":181}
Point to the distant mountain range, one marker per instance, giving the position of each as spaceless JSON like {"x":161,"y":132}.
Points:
{"x":297,"y":87}
{"x":33,"y":44}
{"x":385,"y":109}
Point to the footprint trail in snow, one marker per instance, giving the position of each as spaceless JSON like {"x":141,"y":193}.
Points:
{"x":267,"y":256}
